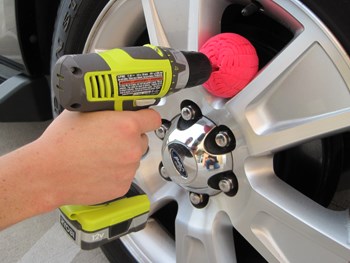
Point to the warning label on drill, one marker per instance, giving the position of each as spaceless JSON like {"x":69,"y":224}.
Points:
{"x":145,"y":83}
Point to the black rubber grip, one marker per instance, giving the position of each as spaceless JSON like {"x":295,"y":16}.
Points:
{"x":199,"y":66}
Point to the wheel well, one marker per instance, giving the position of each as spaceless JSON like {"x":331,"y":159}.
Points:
{"x":35,"y":24}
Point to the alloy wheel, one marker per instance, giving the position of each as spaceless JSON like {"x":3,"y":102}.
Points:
{"x":300,"y":94}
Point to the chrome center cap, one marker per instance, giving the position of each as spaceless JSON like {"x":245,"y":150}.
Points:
{"x":185,"y":157}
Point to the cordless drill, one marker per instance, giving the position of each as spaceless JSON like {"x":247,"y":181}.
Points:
{"x":128,"y":78}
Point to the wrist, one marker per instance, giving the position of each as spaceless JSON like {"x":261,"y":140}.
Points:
{"x":42,"y":176}
{"x":25,"y":187}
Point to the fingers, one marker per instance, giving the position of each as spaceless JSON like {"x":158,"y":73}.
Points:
{"x":126,"y":126}
{"x":148,"y":119}
{"x":144,"y":143}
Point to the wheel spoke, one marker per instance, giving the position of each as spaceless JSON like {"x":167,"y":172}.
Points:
{"x":145,"y":244}
{"x":301,"y":95}
{"x":203,"y":235}
{"x":285,"y":226}
{"x":106,"y":32}
{"x":182,"y":24}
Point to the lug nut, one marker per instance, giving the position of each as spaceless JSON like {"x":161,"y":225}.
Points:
{"x":188,"y":113}
{"x":163,"y":172}
{"x":196,"y":199}
{"x":222,"y":139}
{"x":199,"y":200}
{"x":226,"y":185}
{"x":161,"y":131}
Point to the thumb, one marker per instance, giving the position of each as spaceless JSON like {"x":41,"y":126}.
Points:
{"x":148,"y":119}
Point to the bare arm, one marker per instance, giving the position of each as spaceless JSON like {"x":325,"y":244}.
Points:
{"x":82,"y":158}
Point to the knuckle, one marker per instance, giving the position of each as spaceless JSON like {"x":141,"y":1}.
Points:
{"x":135,"y":154}
{"x":146,"y":139}
{"x":131,"y":127}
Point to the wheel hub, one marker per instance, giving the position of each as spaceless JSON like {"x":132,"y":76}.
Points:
{"x":184,"y":155}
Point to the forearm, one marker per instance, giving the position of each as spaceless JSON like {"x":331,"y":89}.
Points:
{"x":24,"y":191}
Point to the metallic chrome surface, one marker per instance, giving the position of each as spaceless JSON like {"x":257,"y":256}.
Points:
{"x":302,"y":94}
{"x":187,"y":113}
{"x":163,"y":172}
{"x":161,"y":131}
{"x":195,"y":198}
{"x":222,"y":139}
{"x":226,"y":185}
{"x":183,"y":155}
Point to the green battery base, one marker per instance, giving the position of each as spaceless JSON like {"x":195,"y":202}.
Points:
{"x":93,"y":226}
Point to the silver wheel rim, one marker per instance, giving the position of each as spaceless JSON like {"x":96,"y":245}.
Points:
{"x":302,"y":94}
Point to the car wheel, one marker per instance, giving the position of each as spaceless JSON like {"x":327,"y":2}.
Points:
{"x":282,"y":142}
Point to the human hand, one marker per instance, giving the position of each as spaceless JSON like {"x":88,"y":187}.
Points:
{"x":82,"y":158}
{"x":92,"y":157}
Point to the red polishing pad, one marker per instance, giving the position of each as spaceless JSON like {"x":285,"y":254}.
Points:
{"x":234,"y":61}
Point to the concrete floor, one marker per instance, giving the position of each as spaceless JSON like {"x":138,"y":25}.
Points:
{"x":38,"y":239}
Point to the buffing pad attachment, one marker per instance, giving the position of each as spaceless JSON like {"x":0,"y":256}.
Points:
{"x":234,"y":61}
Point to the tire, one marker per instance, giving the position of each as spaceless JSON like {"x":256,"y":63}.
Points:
{"x":294,"y":184}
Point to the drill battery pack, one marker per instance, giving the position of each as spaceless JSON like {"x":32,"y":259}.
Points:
{"x":93,"y":226}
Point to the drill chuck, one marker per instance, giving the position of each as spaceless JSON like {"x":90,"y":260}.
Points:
{"x":199,"y":68}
